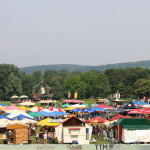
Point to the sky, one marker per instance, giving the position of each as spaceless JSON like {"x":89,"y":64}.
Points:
{"x":83,"y":32}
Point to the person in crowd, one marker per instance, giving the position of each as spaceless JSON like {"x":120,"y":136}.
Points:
{"x":50,"y":137}
{"x":105,"y":135}
{"x":45,"y":138}
{"x":37,"y":136}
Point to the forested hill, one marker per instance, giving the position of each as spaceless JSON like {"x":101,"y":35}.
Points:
{"x":71,"y":68}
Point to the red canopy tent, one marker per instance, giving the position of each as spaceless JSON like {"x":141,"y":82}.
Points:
{"x":104,"y":106}
{"x":118,"y":117}
{"x":146,"y":110}
{"x":56,"y":109}
{"x":97,"y":119}
{"x":136,"y":111}
{"x":36,"y":109}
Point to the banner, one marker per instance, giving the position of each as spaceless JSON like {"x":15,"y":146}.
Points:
{"x":69,"y":94}
{"x":75,"y":95}
{"x":42,"y":90}
{"x":75,"y":147}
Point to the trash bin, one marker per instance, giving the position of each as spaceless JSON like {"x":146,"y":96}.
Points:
{"x":74,"y":142}
{"x":29,"y":141}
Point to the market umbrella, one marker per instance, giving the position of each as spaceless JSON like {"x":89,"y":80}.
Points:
{"x":24,"y":97}
{"x":14,"y":97}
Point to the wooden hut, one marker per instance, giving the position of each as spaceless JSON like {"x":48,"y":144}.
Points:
{"x":19,"y":132}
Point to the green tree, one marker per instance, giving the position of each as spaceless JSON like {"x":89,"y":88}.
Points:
{"x":10,"y":81}
{"x":102,"y":86}
{"x":142,"y":88}
{"x":74,"y":84}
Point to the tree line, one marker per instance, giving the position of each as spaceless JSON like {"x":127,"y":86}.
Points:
{"x":131,"y":82}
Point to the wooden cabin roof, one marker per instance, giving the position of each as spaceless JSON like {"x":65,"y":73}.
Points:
{"x":17,"y":126}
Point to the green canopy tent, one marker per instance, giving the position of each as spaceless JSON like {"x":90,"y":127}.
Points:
{"x":66,"y":105}
{"x":94,"y":105}
{"x":131,"y":130}
{"x":34,"y":114}
{"x":85,"y":104}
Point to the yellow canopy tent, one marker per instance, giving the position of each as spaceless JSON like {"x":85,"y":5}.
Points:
{"x":69,"y":108}
{"x":1,"y":107}
{"x":25,"y":108}
{"x":52,"y":123}
{"x":43,"y":122}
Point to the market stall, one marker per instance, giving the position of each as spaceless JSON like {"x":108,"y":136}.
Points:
{"x":17,"y":134}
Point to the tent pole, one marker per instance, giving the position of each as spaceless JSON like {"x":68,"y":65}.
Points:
{"x":118,"y":133}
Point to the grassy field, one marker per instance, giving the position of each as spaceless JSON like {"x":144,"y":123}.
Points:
{"x":9,"y":103}
{"x":99,"y":140}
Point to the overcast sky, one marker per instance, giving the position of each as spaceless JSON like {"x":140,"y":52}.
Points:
{"x":84,"y":32}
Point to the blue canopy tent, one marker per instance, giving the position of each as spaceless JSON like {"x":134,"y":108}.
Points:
{"x":55,"y":113}
{"x":138,"y":103}
{"x":76,"y":110}
{"x":98,"y":109}
{"x":44,"y":113}
{"x":88,"y":110}
{"x":4,"y":117}
{"x":21,"y":117}
{"x":3,"y":105}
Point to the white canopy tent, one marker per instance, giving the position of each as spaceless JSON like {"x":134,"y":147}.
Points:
{"x":27,"y":103}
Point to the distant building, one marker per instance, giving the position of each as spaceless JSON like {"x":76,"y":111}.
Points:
{"x":115,"y":95}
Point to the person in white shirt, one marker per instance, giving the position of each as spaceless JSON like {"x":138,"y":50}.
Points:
{"x":45,"y":138}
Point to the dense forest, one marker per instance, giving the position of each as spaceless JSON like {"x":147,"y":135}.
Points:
{"x":131,"y":82}
{"x":71,"y":68}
